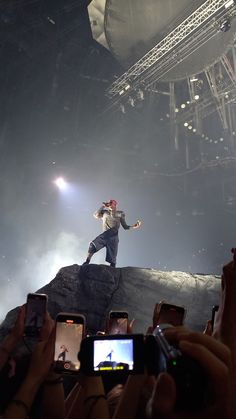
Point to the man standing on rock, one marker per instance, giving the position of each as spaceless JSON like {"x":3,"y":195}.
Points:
{"x":111,"y":220}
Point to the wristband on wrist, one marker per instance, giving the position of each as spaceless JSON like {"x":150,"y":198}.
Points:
{"x":21,"y":404}
{"x":57,"y":380}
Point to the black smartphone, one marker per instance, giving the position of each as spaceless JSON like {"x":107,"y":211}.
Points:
{"x":118,"y":322}
{"x":213,"y":313}
{"x":111,"y":354}
{"x":170,"y":314}
{"x":70,"y":329}
{"x":36,"y":307}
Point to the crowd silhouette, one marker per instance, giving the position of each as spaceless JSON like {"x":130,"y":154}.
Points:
{"x":31,"y":388}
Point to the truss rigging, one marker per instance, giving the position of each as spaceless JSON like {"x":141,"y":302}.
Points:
{"x":160,"y":59}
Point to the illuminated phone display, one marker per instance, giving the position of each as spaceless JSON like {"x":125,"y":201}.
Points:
{"x":68,"y":340}
{"x":113,"y":355}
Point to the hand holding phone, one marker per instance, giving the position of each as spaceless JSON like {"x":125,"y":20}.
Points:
{"x":36,"y":307}
{"x":117,"y":322}
{"x":168,"y":314}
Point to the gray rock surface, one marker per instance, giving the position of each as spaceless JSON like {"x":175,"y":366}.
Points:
{"x":93,"y":290}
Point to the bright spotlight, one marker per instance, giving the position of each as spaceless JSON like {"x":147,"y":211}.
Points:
{"x":196,"y":97}
{"x":60,"y":182}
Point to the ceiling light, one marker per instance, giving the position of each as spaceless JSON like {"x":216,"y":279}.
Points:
{"x":194,"y":78}
{"x":196,"y":97}
{"x":229,"y":4}
{"x":60,"y":182}
{"x":183,"y":105}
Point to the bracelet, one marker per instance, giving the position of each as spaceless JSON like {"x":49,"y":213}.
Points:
{"x":22,"y":404}
{"x":57,"y":380}
{"x":5,"y":350}
{"x":95,"y":397}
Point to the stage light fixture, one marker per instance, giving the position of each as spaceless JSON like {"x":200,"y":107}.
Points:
{"x":60,"y":183}
{"x":186,"y":124}
{"x":122,"y":108}
{"x":131,"y":101}
{"x":229,"y":4}
{"x":193,"y":79}
{"x":225,"y":25}
{"x":183,"y":105}
{"x":196,"y":97}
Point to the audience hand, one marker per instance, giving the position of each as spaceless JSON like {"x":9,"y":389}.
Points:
{"x":214,"y":358}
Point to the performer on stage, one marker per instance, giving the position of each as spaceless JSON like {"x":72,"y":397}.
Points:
{"x":62,"y":354}
{"x":111,"y":219}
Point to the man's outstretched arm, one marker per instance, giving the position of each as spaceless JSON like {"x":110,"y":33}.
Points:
{"x":128,"y":227}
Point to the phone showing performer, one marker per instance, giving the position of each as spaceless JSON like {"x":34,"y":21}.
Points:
{"x":169,"y":314}
{"x":102,"y":355}
{"x":70,"y":329}
{"x":36,"y":306}
{"x":118,"y":322}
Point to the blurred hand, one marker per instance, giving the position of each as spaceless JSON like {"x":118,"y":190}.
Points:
{"x":137,"y":224}
{"x":42,"y":359}
{"x":18,"y":329}
{"x":214,"y":358}
{"x":208,"y":328}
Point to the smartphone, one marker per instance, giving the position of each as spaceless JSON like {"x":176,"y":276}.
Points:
{"x":170,"y":314}
{"x":109,"y":354}
{"x":36,"y":306}
{"x":118,"y":322}
{"x":70,"y":329}
{"x":213,"y":313}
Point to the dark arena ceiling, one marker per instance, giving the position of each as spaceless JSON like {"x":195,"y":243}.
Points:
{"x":63,"y":52}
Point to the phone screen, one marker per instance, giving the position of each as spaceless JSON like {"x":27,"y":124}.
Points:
{"x":69,"y":334}
{"x":171,"y":314}
{"x":113,"y":355}
{"x":35,"y":313}
{"x":118,"y":322}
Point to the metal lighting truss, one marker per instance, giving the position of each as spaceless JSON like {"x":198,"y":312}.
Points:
{"x":210,"y":9}
{"x":219,"y":95}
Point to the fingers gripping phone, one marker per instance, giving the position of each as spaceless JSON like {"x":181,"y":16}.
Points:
{"x":118,"y":322}
{"x":70,"y":329}
{"x":36,"y":306}
{"x":169,"y":314}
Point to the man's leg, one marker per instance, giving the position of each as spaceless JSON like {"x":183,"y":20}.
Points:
{"x":112,"y":250}
{"x":91,"y":251}
{"x":97,"y":244}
